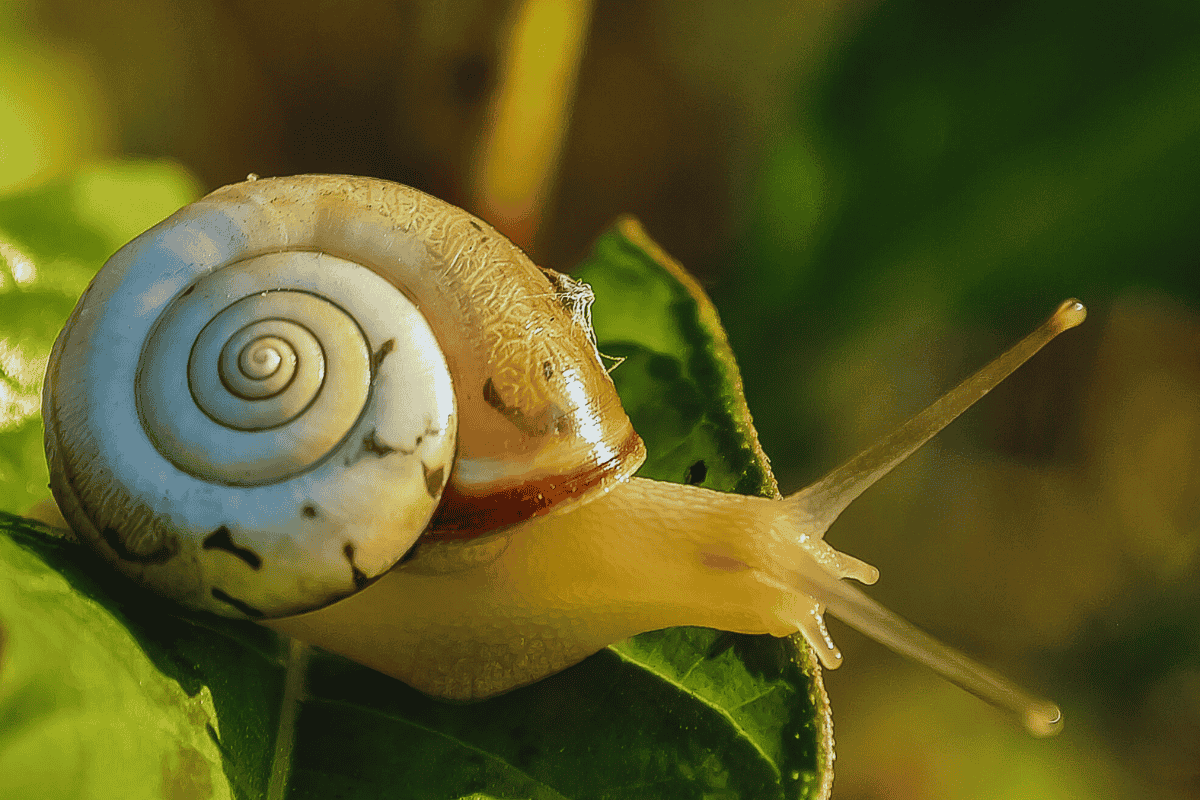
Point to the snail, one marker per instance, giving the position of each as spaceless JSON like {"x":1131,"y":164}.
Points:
{"x":359,"y":415}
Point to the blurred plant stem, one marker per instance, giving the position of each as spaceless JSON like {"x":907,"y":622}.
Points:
{"x":53,"y":113}
{"x":521,"y":144}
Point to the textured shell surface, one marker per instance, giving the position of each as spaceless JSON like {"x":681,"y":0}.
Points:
{"x":260,"y":404}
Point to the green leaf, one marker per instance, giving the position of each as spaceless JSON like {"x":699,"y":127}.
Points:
{"x":678,"y":380}
{"x":682,"y":713}
{"x":85,"y":711}
{"x":52,"y":241}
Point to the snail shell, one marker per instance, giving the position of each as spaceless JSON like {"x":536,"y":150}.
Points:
{"x":260,"y":405}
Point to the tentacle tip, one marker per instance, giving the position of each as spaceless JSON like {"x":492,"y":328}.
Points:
{"x":856,"y":569}
{"x":812,"y":630}
{"x":1069,"y":314}
{"x":830,"y":659}
{"x":1043,"y":719}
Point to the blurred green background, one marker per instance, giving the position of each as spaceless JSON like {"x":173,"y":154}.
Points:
{"x":880,"y":196}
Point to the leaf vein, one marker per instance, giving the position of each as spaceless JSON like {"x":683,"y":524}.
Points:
{"x":755,"y":699}
{"x":726,"y":713}
{"x":395,"y":718}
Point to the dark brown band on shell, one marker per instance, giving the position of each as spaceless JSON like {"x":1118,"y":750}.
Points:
{"x":465,"y":516}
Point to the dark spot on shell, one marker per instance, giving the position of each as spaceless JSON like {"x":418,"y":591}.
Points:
{"x":434,"y":479}
{"x":188,"y":290}
{"x":549,"y":419}
{"x":240,"y":605}
{"x":696,"y":473}
{"x":220,"y":539}
{"x":476,"y":226}
{"x":430,"y":430}
{"x":309,"y":511}
{"x":547,"y":370}
{"x":371,"y":444}
{"x":551,"y":277}
{"x":492,"y":397}
{"x":360,"y":578}
{"x":160,"y":555}
{"x":384,"y":350}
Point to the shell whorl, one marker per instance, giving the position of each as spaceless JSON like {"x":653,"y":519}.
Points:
{"x":252,"y":434}
{"x":252,"y":369}
{"x":262,"y":402}
{"x":275,"y":379}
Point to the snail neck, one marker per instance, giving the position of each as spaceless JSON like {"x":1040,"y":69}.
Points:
{"x":642,"y":557}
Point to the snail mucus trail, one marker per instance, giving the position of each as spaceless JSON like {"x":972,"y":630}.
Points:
{"x":439,"y":483}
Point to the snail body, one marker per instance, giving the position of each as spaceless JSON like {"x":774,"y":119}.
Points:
{"x":361,"y":416}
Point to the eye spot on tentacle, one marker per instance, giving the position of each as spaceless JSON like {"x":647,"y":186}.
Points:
{"x":309,"y":511}
{"x":360,"y":578}
{"x":434,"y":479}
{"x":221,"y":539}
{"x":159,"y":555}
{"x":240,"y":605}
{"x":696,"y":473}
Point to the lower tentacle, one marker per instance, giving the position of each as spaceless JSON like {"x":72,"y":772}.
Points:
{"x":805,"y":567}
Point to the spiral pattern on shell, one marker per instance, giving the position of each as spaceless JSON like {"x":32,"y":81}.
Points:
{"x":258,"y":434}
{"x":274,"y":380}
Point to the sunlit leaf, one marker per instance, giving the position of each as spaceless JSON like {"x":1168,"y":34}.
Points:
{"x":52,"y":241}
{"x":680,"y":713}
